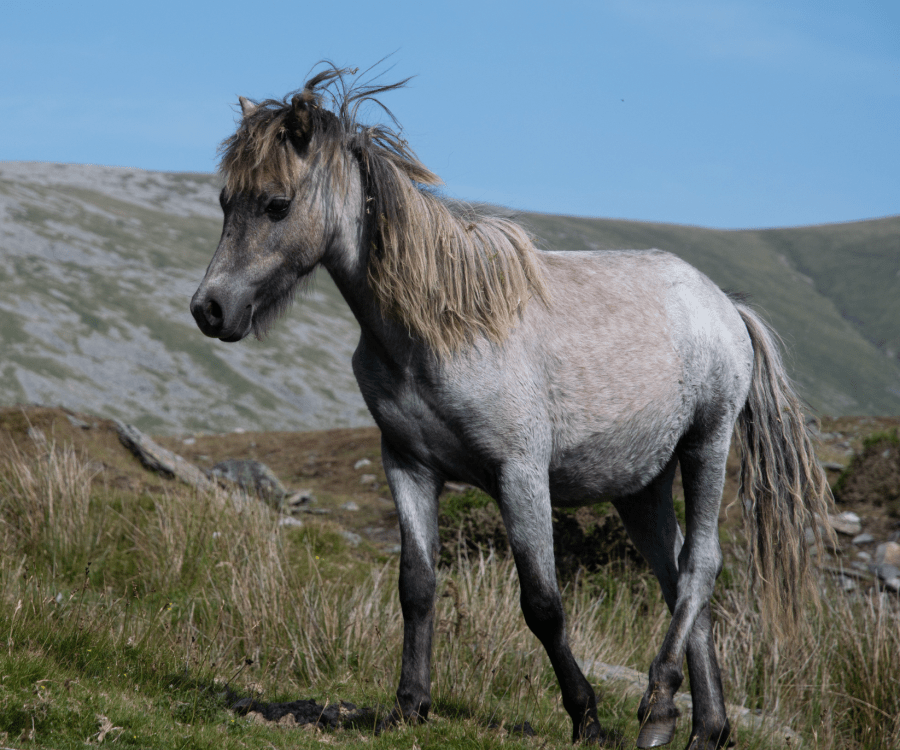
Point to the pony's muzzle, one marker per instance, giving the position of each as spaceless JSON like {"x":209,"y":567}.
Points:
{"x":217,"y":321}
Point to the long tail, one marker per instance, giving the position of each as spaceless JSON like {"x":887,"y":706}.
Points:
{"x":783,"y":489}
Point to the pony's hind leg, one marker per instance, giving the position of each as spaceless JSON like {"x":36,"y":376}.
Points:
{"x":525,"y":506}
{"x":650,"y":520}
{"x":415,"y":491}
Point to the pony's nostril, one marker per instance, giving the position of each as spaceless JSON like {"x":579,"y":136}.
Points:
{"x":213,"y":311}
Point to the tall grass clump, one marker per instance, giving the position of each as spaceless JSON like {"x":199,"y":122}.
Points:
{"x":154,"y":610}
{"x":45,"y":513}
{"x":837,"y":681}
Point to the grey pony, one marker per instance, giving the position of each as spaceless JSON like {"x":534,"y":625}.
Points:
{"x":543,"y":378}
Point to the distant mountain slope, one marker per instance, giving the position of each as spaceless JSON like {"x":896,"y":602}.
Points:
{"x":857,"y":266}
{"x":97,"y":266}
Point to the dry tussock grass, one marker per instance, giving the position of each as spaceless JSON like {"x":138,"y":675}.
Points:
{"x":210,"y":582}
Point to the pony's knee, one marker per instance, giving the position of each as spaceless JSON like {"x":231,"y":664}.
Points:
{"x":543,"y":612}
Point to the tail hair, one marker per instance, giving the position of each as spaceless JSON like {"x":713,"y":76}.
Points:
{"x":783,"y":489}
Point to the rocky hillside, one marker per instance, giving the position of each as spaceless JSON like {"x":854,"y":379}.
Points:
{"x":98,"y":264}
{"x":97,"y":268}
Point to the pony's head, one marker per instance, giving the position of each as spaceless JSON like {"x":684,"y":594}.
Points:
{"x":275,"y":201}
{"x":305,"y":181}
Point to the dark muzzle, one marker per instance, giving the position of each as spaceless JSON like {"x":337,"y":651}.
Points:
{"x":217,"y":319}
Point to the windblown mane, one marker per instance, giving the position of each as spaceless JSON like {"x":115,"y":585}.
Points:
{"x":445,"y":270}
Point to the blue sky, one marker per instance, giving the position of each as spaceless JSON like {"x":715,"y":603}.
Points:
{"x":708,"y":112}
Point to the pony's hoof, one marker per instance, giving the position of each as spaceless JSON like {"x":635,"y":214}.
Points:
{"x":656,"y":733}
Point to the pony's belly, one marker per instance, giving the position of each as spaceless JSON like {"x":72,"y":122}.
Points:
{"x":603,"y":469}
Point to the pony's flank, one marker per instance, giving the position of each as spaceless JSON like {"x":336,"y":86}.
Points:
{"x":445,"y":271}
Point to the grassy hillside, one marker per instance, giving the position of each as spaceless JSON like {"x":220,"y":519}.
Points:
{"x":98,"y":264}
{"x":857,"y":266}
{"x":135,"y":611}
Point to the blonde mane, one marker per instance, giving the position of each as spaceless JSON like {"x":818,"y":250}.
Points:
{"x":446,"y":271}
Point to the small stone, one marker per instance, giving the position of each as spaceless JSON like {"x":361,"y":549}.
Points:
{"x":75,"y":422}
{"x":352,"y":539}
{"x":350,"y":505}
{"x":846,"y":583}
{"x":290,"y":521}
{"x":301,"y":497}
{"x":362,"y":462}
{"x":887,"y":572}
{"x":254,"y":477}
{"x":864,"y":556}
{"x":367,"y":479}
{"x":889,"y":553}
{"x":893,"y":584}
{"x":863,"y":539}
{"x":189,"y":441}
{"x":846,"y":523}
{"x":525,"y":729}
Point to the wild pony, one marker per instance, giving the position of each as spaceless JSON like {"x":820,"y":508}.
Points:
{"x":543,"y":378}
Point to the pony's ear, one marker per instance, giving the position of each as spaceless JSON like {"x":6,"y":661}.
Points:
{"x":247,"y":107}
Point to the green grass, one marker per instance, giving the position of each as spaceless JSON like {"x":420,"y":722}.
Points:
{"x":137,"y":619}
{"x":876,"y":439}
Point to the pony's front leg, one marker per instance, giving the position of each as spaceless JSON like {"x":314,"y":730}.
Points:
{"x":525,"y":505}
{"x":415,"y":491}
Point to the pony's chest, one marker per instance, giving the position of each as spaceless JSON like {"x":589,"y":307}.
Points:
{"x":419,"y":421}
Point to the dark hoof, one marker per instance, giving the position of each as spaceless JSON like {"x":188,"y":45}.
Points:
{"x":656,"y":732}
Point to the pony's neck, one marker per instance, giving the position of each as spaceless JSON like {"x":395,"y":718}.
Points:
{"x":347,"y":261}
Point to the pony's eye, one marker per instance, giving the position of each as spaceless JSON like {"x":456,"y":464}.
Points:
{"x":278,"y":208}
